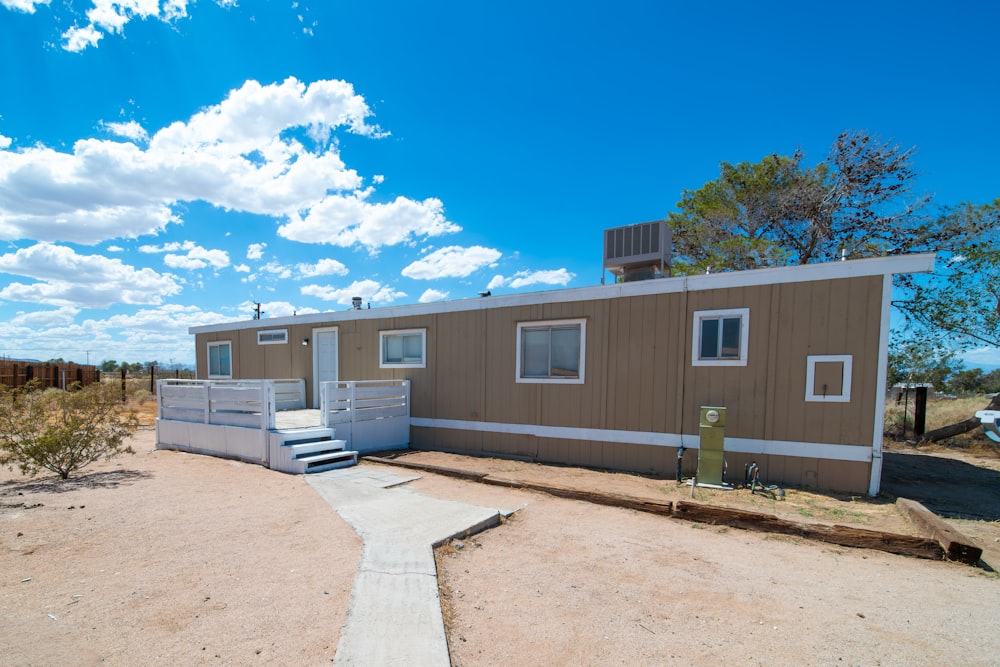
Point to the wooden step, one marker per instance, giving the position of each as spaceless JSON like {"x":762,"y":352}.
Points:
{"x":342,"y":459}
{"x":324,"y":456}
{"x":303,"y":436}
{"x":306,"y":448}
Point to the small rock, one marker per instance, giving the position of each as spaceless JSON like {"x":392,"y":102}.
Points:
{"x":20,"y":534}
{"x":860,"y":615}
{"x":459,"y":544}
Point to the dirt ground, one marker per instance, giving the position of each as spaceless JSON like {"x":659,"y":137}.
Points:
{"x":166,"y":558}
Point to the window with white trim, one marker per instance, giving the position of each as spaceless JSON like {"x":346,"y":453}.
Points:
{"x":828,"y":378}
{"x":720,"y":337}
{"x":220,"y":359}
{"x":551,"y":351}
{"x":403,"y":348}
{"x":272,"y":337}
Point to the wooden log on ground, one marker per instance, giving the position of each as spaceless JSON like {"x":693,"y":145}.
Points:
{"x":956,"y":545}
{"x":650,"y":505}
{"x":961,"y":427}
{"x":437,"y":470}
{"x":904,"y":545}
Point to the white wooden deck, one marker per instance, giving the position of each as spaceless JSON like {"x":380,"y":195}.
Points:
{"x":265,"y":421}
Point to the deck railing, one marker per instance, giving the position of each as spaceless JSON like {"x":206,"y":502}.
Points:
{"x":371,"y":415}
{"x":246,"y":403}
{"x":212,"y":416}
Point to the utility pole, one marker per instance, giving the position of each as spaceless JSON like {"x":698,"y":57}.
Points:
{"x":257,"y":311}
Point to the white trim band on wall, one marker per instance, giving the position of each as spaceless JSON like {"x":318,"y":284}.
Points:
{"x":812,"y":450}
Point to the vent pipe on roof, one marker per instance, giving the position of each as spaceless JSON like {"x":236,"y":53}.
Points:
{"x":356,"y":303}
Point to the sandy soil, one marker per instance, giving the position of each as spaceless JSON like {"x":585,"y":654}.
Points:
{"x":166,"y":558}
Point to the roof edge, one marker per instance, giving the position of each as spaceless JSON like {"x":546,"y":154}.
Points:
{"x":854,"y":268}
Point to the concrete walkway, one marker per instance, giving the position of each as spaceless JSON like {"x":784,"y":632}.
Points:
{"x":394,"y":616}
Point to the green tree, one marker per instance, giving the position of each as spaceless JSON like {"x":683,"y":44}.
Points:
{"x":109,"y":366}
{"x":858,"y":202}
{"x":921,"y":360}
{"x":960,"y":301}
{"x":967,"y":382}
{"x":730,"y":223}
{"x":991,"y":382}
{"x":62,"y":431}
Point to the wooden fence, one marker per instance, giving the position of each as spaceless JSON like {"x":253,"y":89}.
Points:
{"x":20,"y":373}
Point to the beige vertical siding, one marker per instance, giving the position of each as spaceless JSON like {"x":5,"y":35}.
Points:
{"x":638,"y":375}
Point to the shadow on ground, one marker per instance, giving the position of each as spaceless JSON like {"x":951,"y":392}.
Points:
{"x":94,"y":480}
{"x":946,"y":486}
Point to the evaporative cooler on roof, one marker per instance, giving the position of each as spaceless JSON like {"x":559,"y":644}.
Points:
{"x":638,"y":252}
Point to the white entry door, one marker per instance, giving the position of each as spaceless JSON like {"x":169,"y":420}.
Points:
{"x":324,"y":359}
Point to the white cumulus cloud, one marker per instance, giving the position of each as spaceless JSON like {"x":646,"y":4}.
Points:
{"x":265,"y":149}
{"x":528,"y":278}
{"x":368,"y":290}
{"x":129,"y":130}
{"x":553,"y":277}
{"x":276,"y":309}
{"x":111,"y":17}
{"x":194,"y":256}
{"x":26,"y":6}
{"x":255,"y":250}
{"x":431,"y":295}
{"x":324,"y":267}
{"x":46,"y":318}
{"x":277,"y":270}
{"x":348,"y":220}
{"x":451,"y":262}
{"x":65,"y":278}
{"x":77,"y":39}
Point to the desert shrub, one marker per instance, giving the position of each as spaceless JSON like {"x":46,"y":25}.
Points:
{"x":140,"y":396}
{"x":62,"y":431}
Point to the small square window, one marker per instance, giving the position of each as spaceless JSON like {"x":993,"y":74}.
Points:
{"x":551,"y":351}
{"x":720,"y":337}
{"x":828,"y":378}
{"x":272,"y":337}
{"x":403,"y":349}
{"x":220,"y":360}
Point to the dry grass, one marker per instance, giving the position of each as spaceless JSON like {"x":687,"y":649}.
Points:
{"x":941,"y":412}
{"x":145,"y":411}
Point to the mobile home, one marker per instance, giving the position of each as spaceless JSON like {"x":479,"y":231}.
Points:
{"x":614,"y":376}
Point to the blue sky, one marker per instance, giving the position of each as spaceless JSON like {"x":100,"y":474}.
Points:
{"x":166,"y":163}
